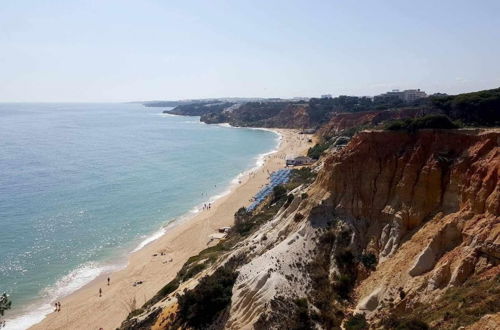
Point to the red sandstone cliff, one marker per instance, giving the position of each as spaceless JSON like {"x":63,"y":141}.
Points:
{"x":428,"y":204}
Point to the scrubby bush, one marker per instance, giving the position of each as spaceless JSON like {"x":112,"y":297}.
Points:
{"x":356,"y":322}
{"x":190,"y":272}
{"x":345,"y":259}
{"x":412,"y":325}
{"x":426,"y":122}
{"x":242,"y":223}
{"x":343,"y":286}
{"x":317,"y":150}
{"x":302,"y":312}
{"x":135,"y":312}
{"x":369,"y":260}
{"x":393,"y":322}
{"x":289,"y":200}
{"x":300,"y":176}
{"x":477,"y":108}
{"x":278,"y":192}
{"x":201,"y":305}
{"x":166,"y":290}
{"x":298,"y":216}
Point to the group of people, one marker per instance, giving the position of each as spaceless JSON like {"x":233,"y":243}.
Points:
{"x":207,"y":206}
{"x":57,"y":304}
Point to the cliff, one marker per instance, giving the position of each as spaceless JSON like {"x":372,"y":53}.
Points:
{"x":425,"y":205}
{"x":397,"y":230}
{"x":344,"y":122}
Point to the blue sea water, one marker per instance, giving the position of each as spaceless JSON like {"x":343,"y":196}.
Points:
{"x":82,"y":185}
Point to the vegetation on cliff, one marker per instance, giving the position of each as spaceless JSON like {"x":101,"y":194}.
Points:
{"x":458,"y":306}
{"x":202,"y":305}
{"x":478,"y":108}
{"x":426,"y":122}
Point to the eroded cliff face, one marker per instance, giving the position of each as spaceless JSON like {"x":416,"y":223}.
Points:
{"x":398,"y":181}
{"x":395,"y":226}
{"x":426,"y":205}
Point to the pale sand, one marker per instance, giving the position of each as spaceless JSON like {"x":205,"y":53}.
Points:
{"x":84,"y":309}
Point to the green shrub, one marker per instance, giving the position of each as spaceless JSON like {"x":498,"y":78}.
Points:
{"x":412,"y":325}
{"x":135,"y":312}
{"x":477,"y":108}
{"x":189,"y":272}
{"x":302,"y":314}
{"x":343,"y":286}
{"x":369,"y":260}
{"x":345,"y":259}
{"x":317,"y":150}
{"x":426,"y":122}
{"x":356,"y":322}
{"x":201,"y":305}
{"x":278,"y":192}
{"x":289,"y":200}
{"x":300,"y":176}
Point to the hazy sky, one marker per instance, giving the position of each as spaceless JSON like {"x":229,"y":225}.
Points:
{"x":123,"y":50}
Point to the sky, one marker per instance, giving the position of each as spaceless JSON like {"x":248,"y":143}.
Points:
{"x":125,"y":50}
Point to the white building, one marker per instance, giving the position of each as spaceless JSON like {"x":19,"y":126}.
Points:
{"x":408,"y":95}
{"x":411,"y":95}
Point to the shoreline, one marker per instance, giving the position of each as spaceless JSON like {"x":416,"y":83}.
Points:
{"x":85,"y":274}
{"x":179,"y":239}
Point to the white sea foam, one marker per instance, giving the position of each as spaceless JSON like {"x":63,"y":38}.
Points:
{"x":150,"y":239}
{"x":225,"y":125}
{"x":67,"y":284}
{"x":24,"y":321}
{"x":161,"y":114}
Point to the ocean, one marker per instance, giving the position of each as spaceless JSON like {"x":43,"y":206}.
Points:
{"x":83,"y":185}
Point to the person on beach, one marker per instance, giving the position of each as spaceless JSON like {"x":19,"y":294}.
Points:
{"x":56,"y":309}
{"x":100,"y":292}
{"x":109,"y":280}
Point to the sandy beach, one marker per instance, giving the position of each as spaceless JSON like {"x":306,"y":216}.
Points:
{"x":84,"y":309}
